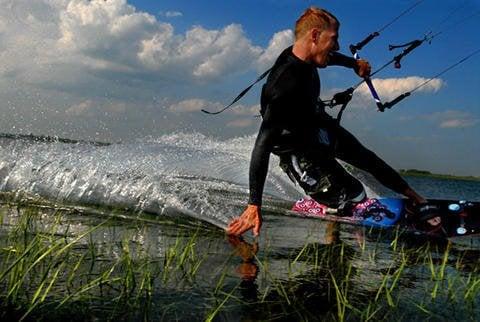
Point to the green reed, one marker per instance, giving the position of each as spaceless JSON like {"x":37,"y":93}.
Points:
{"x":50,"y":267}
{"x":385,"y":275}
{"x":390,"y":297}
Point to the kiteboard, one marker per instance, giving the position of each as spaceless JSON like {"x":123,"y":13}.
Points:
{"x":458,"y":218}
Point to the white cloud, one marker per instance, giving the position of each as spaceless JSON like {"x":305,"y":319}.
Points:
{"x":387,"y":89}
{"x":226,"y":51}
{"x":173,"y":14}
{"x":458,"y":123}
{"x":193,"y":105}
{"x":390,"y":88}
{"x":66,"y":59}
{"x":97,"y":28}
{"x":90,"y":108}
{"x":197,"y":104}
{"x":279,"y":42}
{"x":76,"y":37}
{"x":452,"y":119}
{"x":241,"y":109}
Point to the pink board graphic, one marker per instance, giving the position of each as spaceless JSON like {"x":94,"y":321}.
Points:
{"x":371,"y":212}
{"x":310,"y":206}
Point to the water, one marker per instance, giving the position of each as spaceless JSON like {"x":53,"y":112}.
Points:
{"x":155,"y":209}
{"x":186,"y":174}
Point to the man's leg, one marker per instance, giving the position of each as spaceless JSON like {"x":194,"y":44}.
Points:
{"x":350,"y":150}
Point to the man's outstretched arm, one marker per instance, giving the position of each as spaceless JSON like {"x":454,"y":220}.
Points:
{"x":251,"y":218}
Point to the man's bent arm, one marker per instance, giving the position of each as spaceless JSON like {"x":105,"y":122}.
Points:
{"x":338,"y":59}
{"x":361,"y":66}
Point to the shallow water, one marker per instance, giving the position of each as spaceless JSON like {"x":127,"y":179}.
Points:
{"x":134,"y":232}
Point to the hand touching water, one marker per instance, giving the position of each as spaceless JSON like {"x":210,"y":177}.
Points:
{"x":250,"y":219}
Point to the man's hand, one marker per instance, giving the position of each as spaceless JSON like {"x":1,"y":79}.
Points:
{"x":363,"y":68}
{"x":250,"y":218}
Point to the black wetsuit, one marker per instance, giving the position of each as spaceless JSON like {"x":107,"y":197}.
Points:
{"x":295,"y":125}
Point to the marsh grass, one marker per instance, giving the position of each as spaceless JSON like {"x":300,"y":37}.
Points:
{"x":423,"y":280}
{"x":56,"y":269}
{"x":47,"y":269}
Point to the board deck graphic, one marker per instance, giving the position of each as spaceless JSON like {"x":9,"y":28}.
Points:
{"x":458,"y":218}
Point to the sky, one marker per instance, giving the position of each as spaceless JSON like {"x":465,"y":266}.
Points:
{"x":118,"y":70}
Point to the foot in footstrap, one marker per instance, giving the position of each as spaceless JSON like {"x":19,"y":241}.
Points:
{"x":312,"y":207}
{"x":424,"y":213}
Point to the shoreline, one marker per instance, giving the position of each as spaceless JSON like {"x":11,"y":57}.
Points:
{"x":427,"y":174}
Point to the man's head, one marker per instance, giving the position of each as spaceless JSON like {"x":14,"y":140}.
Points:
{"x":316,"y":32}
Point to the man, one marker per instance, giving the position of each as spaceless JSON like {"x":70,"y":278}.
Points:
{"x":303,"y":135}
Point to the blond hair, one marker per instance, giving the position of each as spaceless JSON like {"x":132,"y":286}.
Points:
{"x":314,"y":17}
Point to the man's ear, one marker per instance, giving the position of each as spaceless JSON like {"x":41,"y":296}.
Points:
{"x":315,"y":34}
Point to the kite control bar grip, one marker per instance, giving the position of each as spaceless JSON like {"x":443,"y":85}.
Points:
{"x":414,"y":44}
{"x":378,"y":102}
{"x":359,"y":45}
{"x":395,"y":101}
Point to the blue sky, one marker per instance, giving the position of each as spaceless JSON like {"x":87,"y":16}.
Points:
{"x":119,"y":70}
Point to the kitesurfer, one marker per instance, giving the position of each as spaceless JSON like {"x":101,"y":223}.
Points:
{"x":307,"y":140}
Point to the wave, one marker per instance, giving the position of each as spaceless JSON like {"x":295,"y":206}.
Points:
{"x":177,"y":174}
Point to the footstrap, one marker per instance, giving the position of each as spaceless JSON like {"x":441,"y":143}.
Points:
{"x":427,"y":211}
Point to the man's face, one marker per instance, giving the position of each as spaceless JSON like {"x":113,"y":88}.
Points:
{"x":323,"y":43}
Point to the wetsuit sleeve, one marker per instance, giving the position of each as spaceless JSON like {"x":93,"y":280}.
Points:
{"x":259,"y":161}
{"x":287,"y":99}
{"x":350,"y":150}
{"x":338,"y":59}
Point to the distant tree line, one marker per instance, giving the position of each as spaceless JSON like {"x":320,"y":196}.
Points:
{"x":423,"y":173}
{"x":415,"y":171}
